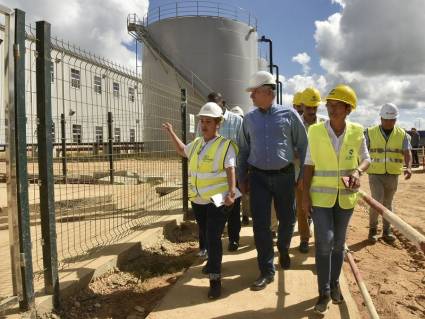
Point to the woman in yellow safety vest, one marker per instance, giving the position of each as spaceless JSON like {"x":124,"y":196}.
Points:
{"x":336,"y":157}
{"x":212,"y":162}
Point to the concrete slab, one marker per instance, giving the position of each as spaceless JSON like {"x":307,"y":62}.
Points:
{"x":292,"y":294}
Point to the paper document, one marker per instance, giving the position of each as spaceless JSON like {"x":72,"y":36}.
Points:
{"x":218,"y":199}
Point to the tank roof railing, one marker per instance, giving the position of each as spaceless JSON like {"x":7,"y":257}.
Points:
{"x":199,"y":9}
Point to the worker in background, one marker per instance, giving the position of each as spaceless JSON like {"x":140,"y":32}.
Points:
{"x":309,"y":101}
{"x":212,"y":161}
{"x":415,"y":145}
{"x":270,"y":134}
{"x":296,"y":103}
{"x":246,"y":212}
{"x":230,"y":129}
{"x":335,"y":149}
{"x":389,"y":147}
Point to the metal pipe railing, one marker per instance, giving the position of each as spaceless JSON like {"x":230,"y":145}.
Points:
{"x":362,"y":286}
{"x":412,"y":234}
{"x":199,"y":8}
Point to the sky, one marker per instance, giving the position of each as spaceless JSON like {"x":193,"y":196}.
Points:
{"x":377,"y":47}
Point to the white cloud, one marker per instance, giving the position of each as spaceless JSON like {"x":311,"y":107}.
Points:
{"x":378,"y":48}
{"x":98,"y":26}
{"x":340,"y":2}
{"x":304,"y":60}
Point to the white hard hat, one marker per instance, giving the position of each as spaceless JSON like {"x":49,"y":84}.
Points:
{"x":389,"y":111}
{"x":211,"y":109}
{"x":237,"y":110}
{"x":259,"y":79}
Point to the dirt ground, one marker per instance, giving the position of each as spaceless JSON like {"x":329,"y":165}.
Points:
{"x":394,"y":274}
{"x":133,"y":291}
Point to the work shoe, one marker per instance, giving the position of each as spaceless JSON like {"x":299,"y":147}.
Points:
{"x":245,"y":220}
{"x":303,"y":247}
{"x":388,"y":236}
{"x":262,"y":282}
{"x":233,"y":246}
{"x":373,"y":235}
{"x":321,"y":306}
{"x":215,"y":289}
{"x":284,"y":260}
{"x":336,"y":294}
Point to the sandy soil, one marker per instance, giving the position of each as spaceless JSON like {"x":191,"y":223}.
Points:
{"x":133,"y":291}
{"x":394,"y":274}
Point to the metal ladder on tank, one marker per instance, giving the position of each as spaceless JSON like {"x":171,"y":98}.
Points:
{"x":137,"y":30}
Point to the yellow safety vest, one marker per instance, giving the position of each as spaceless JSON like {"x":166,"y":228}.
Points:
{"x":387,"y":155}
{"x":327,"y":185}
{"x":208,"y":175}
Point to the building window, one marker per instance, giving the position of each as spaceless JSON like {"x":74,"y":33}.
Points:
{"x":75,"y":78}
{"x":77,"y":136}
{"x":132,"y":135}
{"x":99,"y":135}
{"x":131,"y":94}
{"x":117,"y":135}
{"x":116,"y":89}
{"x":97,"y":84}
{"x":52,"y":72}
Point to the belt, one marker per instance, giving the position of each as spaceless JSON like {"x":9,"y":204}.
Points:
{"x":286,"y":169}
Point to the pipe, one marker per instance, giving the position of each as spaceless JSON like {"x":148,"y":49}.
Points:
{"x":281,"y":91}
{"x":269,"y":41}
{"x":363,"y":289}
{"x":278,"y":95}
{"x":412,"y":234}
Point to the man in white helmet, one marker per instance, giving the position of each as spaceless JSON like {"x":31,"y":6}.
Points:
{"x":389,"y":147}
{"x":270,"y":135}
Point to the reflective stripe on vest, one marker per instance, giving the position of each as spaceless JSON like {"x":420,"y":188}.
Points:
{"x":387,"y":155}
{"x":207,"y":175}
{"x":327,"y":186}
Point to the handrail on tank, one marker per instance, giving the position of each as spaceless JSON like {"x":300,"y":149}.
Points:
{"x":199,"y":8}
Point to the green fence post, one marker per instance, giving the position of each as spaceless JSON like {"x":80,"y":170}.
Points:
{"x":45,"y":161}
{"x":183,"y":107}
{"x":17,"y":166}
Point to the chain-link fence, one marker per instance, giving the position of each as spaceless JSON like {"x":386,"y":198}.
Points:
{"x":114,"y":171}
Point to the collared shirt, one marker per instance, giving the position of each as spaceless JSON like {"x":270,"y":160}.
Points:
{"x":336,"y":142}
{"x":269,"y":139}
{"x":229,"y":128}
{"x":406,"y":141}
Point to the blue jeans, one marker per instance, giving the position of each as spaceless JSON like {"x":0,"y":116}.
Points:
{"x":213,"y":220}
{"x":330,"y":229}
{"x":263,"y":187}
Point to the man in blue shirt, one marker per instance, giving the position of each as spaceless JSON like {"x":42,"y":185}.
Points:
{"x":270,"y":134}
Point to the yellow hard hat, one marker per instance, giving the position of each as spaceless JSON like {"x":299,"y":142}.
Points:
{"x":343,"y":93}
{"x":297,"y":98}
{"x":311,"y":97}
